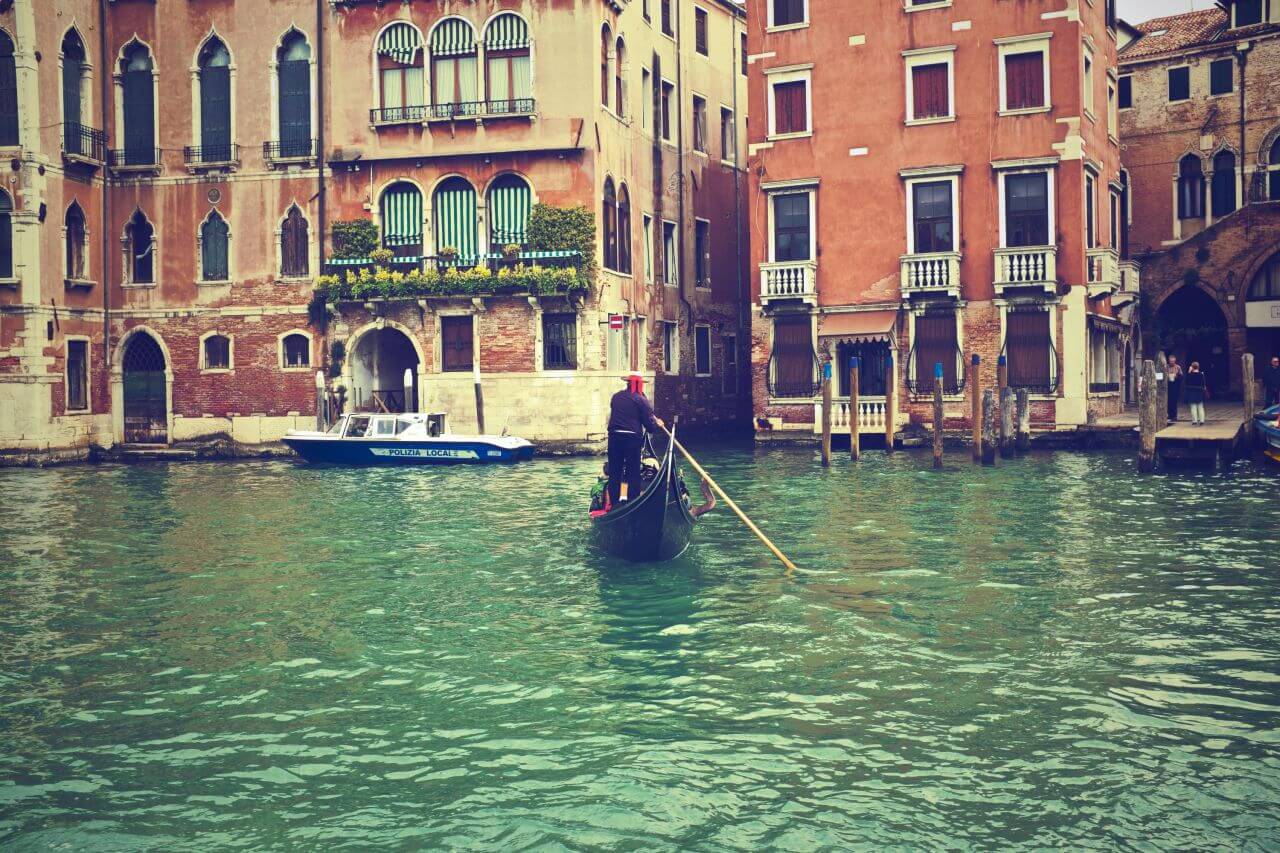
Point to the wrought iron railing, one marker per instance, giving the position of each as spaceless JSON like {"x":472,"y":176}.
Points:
{"x":397,"y":115}
{"x":1036,"y":379}
{"x":476,"y":109}
{"x":197,"y":155}
{"x":463,"y":109}
{"x":79,"y":140}
{"x":494,"y":261}
{"x":795,"y":384}
{"x":1103,"y":387}
{"x":920,"y":377}
{"x":289,"y":149}
{"x":134,"y":157}
{"x":510,"y":106}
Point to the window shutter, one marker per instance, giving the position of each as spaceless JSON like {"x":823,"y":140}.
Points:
{"x":71,"y":94}
{"x":929,"y":88}
{"x":1024,"y":80}
{"x":455,"y":218}
{"x":510,"y":202}
{"x":294,"y":245}
{"x":935,"y":342}
{"x":6,"y":244}
{"x":139,"y":118}
{"x":213,"y":249}
{"x":402,"y":216}
{"x":793,"y":356}
{"x":8,"y":100}
{"x":790,"y":111}
{"x":1027,"y":348}
{"x":215,"y":113}
{"x":456,"y":344}
{"x":295,"y":108}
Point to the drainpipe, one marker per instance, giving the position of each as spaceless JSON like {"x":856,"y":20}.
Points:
{"x":104,"y":91}
{"x":1242,"y":54}
{"x":744,"y":310}
{"x":320,"y":122}
{"x":684,"y":296}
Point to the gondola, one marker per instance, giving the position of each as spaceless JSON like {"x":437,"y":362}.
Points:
{"x":1267,"y":425}
{"x":655,"y":527}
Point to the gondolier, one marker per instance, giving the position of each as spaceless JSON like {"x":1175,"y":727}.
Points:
{"x":630,"y":414}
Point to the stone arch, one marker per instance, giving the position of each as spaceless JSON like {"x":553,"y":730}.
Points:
{"x":136,"y":405}
{"x":1194,"y":327}
{"x":360,"y":373}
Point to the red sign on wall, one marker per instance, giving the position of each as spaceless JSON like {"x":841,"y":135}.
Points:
{"x":615,"y":321}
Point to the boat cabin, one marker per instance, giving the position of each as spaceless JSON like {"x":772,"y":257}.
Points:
{"x":387,"y":426}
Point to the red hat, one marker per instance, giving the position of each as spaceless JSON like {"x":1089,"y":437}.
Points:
{"x":635,"y":383}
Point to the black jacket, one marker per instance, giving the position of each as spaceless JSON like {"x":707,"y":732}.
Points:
{"x":1271,"y":377}
{"x":630,"y":412}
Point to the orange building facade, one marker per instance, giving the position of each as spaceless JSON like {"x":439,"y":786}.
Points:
{"x":934,"y":181}
{"x":173,"y":222}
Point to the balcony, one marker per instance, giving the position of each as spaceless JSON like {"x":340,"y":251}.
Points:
{"x":872,"y":415}
{"x":397,"y":115}
{"x":493,"y":261}
{"x":482,"y":109}
{"x":1130,"y":277}
{"x":789,"y":280}
{"x":1103,"y":272}
{"x":1027,"y":267}
{"x":933,"y":272}
{"x":201,"y":158}
{"x":278,"y":152}
{"x":139,"y":160}
{"x":83,"y":145}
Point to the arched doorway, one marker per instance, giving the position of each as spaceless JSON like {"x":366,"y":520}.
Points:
{"x":146,"y":403}
{"x":1193,"y":327}
{"x":377,"y":365}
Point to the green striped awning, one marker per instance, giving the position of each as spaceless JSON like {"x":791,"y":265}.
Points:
{"x":453,"y":37}
{"x":454,"y":215}
{"x":400,"y":42}
{"x":510,"y":201}
{"x":401,"y":215}
{"x":508,"y":31}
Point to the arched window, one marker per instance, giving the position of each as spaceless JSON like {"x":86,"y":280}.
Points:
{"x":8,"y":92}
{"x":510,"y":201}
{"x":74,"y":139}
{"x":401,"y":211}
{"x":619,"y":90}
{"x":139,"y":245}
{"x":1266,"y":283}
{"x":138,"y":92}
{"x":624,"y":229}
{"x":295,"y":350}
{"x":610,"y":225}
{"x":1190,"y":188}
{"x":454,"y":213}
{"x":606,"y":42}
{"x":293,"y":71}
{"x":510,"y":76}
{"x":6,"y":235}
{"x":401,"y":74}
{"x":453,"y":69}
{"x":215,"y":238}
{"x":1273,"y":171}
{"x":215,"y":102}
{"x":295,"y":244}
{"x":1224,"y":183}
{"x":75,"y":243}
{"x":215,"y":352}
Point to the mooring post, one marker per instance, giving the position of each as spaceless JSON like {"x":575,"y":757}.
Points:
{"x":1002,"y":385}
{"x":890,"y":417}
{"x":410,"y":393}
{"x":855,"y":428}
{"x":937,"y":415}
{"x":1162,"y":388}
{"x":1024,"y":420}
{"x":826,"y":415}
{"x":976,"y":414}
{"x":1006,"y":423}
{"x":475,"y":377}
{"x":1250,"y":400}
{"x":321,"y":421}
{"x":989,"y":430}
{"x":1149,"y":416}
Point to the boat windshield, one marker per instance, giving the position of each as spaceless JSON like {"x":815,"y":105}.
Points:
{"x":336,"y":429}
{"x":357,"y":426}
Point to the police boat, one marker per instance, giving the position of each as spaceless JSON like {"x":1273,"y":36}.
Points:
{"x":403,"y":439}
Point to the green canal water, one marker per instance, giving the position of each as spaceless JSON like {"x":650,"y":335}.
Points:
{"x":1056,"y":652}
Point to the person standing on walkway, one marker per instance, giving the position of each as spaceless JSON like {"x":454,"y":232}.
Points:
{"x":630,"y":414}
{"x":1271,"y":382}
{"x":1197,"y":393}
{"x":1174,"y":374}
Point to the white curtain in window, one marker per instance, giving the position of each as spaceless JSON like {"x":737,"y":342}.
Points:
{"x":446,"y":81}
{"x":522,"y":74}
{"x":467,"y":79}
{"x":392,"y":89}
{"x":499,"y":87}
{"x":414,"y":93}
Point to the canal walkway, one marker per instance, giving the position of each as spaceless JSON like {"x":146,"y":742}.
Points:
{"x":1215,"y":442}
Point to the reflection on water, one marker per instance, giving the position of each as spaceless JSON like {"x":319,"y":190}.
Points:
{"x":1051,"y":652}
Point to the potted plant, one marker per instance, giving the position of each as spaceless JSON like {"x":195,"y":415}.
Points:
{"x":511,"y":251}
{"x":449,"y":253}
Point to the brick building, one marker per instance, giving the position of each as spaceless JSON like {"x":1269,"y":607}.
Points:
{"x":1200,"y":122}
{"x":178,"y":169}
{"x":933,"y":180}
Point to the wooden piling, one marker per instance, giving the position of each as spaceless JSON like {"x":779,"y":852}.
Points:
{"x":1002,"y":385}
{"x":321,"y":420}
{"x":937,"y":415}
{"x":855,"y":428}
{"x":1023,"y":442}
{"x":1250,"y":399}
{"x":475,"y":376}
{"x":989,"y":430}
{"x":1162,"y":387}
{"x":1150,"y":419}
{"x":1006,"y":424}
{"x":976,"y":413}
{"x":826,"y":415}
{"x":890,"y":425}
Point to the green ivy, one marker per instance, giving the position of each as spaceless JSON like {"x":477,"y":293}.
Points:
{"x":354,"y":238}
{"x":565,"y":228}
{"x":392,"y":284}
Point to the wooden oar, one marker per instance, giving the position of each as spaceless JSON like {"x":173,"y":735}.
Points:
{"x":729,"y":501}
